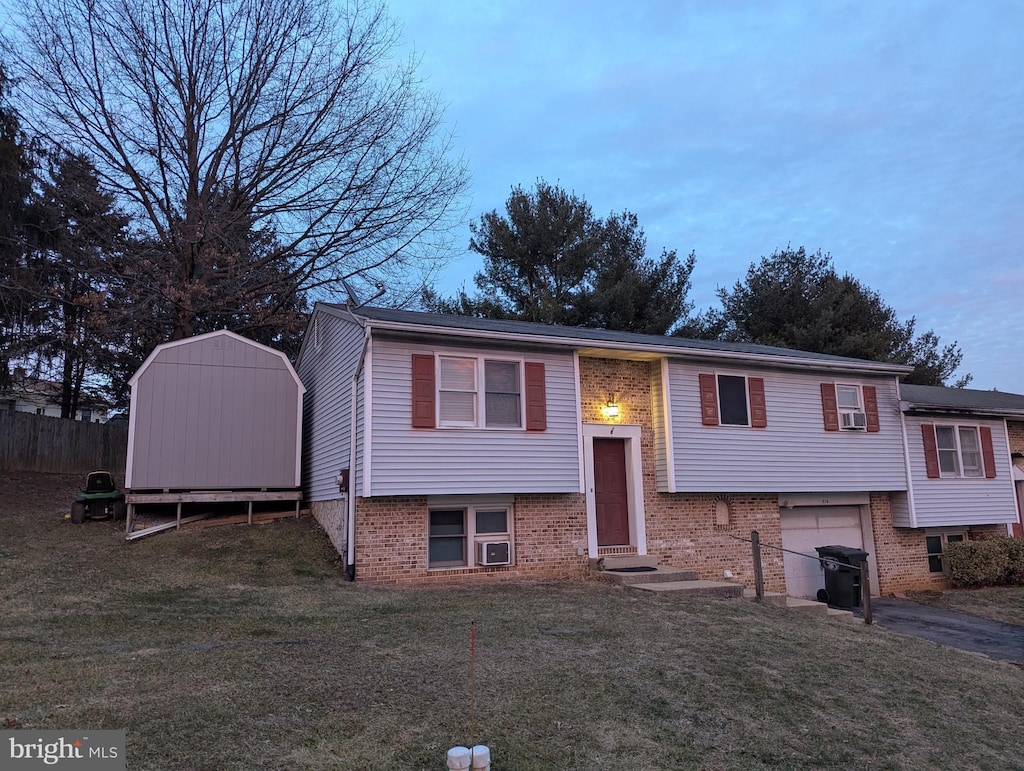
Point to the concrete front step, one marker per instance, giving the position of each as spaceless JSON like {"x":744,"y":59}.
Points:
{"x":798,"y":605}
{"x":625,"y":561}
{"x":692,"y":588}
{"x":661,"y":574}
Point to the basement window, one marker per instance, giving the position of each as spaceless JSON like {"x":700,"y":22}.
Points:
{"x":458,"y":534}
{"x":936,"y":545}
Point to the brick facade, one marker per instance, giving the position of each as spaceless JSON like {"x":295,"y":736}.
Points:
{"x":901,"y":554}
{"x":1016,"y":431}
{"x":391,"y":541}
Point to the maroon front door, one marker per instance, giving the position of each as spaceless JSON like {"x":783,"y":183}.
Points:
{"x":610,"y":492}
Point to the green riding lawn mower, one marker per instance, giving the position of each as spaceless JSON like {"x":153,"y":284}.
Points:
{"x":99,"y":500}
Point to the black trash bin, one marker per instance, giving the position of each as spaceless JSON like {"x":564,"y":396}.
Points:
{"x":842,"y":575}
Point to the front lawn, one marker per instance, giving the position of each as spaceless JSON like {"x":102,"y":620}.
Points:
{"x":243,"y":648}
{"x":1001,"y":603}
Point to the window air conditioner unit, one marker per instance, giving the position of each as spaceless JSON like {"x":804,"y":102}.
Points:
{"x":854,"y":421}
{"x":494,"y":553}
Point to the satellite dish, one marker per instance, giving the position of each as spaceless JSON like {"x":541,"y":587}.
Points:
{"x":353,"y":298}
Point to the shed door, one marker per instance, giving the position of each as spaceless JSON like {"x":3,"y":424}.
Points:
{"x":610,"y":494}
{"x":805,"y":528}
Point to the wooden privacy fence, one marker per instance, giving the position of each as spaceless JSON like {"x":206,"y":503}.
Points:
{"x":37,"y":443}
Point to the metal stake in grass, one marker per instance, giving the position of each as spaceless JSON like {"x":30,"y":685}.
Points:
{"x":472,"y":683}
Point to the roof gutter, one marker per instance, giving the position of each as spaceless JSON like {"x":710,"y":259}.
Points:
{"x":788,"y":361}
{"x":993,"y":412}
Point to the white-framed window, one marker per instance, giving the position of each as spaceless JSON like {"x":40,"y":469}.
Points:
{"x":851,"y":407}
{"x":959,"y":451}
{"x":466,"y":535}
{"x":732,"y":401}
{"x":936,"y":545}
{"x":479,"y":392}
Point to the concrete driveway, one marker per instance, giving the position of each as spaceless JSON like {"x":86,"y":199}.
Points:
{"x":995,"y":639}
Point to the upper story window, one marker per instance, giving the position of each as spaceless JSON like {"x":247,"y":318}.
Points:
{"x":851,"y":412}
{"x":457,"y":391}
{"x":474,"y":392}
{"x":957,"y":451}
{"x":463,"y":391}
{"x":732,"y":400}
{"x":849,"y":407}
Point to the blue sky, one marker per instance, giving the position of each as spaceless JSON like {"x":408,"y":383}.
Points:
{"x":889,"y":134}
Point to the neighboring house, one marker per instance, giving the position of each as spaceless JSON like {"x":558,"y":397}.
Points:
{"x":965,"y":452}
{"x":42,"y":397}
{"x":453,"y":447}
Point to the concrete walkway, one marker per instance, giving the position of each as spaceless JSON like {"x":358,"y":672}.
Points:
{"x":995,"y":639}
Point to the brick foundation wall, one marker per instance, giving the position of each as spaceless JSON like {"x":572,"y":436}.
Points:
{"x":902,"y":554}
{"x":391,"y":543}
{"x":681,"y":531}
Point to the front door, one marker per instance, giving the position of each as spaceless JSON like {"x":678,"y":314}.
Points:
{"x":610,"y":495}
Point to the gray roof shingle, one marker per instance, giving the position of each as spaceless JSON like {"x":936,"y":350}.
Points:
{"x":962,"y":399}
{"x":582,"y":336}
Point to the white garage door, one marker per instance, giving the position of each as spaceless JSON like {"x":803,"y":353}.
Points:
{"x":803,"y":529}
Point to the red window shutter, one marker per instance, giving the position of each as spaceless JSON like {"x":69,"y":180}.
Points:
{"x":829,"y":406}
{"x":871,"y":408}
{"x":758,"y":407}
{"x":931,"y":451}
{"x":708,"y":400}
{"x":987,"y":452}
{"x":536,"y":397}
{"x":423,"y":390}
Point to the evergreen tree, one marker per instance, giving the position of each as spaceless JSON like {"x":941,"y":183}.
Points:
{"x":793,"y":299}
{"x":549,"y":259}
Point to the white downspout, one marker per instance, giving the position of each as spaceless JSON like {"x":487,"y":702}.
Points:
{"x":350,"y":525}
{"x":906,"y":458}
{"x":350,"y":551}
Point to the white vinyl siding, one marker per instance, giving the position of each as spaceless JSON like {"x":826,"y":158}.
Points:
{"x":326,"y":371}
{"x":793,"y":452}
{"x":469,"y":460}
{"x":956,"y":501}
{"x":661,"y":427}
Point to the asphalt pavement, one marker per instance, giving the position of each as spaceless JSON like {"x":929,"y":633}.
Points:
{"x":995,"y":639}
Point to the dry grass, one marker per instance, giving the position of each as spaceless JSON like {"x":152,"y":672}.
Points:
{"x":1002,"y":603}
{"x":242,"y":648}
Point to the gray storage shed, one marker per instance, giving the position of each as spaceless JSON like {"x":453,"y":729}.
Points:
{"x":214,"y":412}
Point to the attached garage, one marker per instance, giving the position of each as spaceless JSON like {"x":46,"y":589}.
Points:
{"x":806,"y":527}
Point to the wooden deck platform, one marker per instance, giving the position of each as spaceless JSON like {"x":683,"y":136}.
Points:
{"x":134,"y":499}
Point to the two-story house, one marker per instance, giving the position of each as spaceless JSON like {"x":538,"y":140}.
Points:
{"x":965,"y":462}
{"x":445,"y":446}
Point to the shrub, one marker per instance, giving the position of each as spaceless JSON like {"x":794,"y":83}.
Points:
{"x":974,"y":564}
{"x":1015,"y":551}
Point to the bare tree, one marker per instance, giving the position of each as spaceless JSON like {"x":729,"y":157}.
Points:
{"x":204,"y":116}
